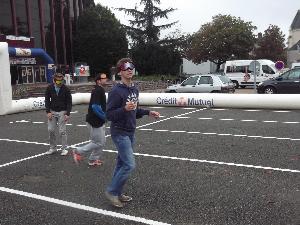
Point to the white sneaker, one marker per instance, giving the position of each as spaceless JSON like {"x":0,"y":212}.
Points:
{"x":64,"y":152}
{"x":50,"y":151}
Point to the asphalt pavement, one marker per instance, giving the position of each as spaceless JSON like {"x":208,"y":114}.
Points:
{"x":194,"y":166}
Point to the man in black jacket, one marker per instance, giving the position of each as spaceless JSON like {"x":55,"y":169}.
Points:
{"x":96,"y":125}
{"x":58,"y":103}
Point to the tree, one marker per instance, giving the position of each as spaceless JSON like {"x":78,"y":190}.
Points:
{"x":225,"y":38}
{"x":151,"y":54}
{"x":142,"y":28}
{"x":100,"y":39}
{"x":271,"y":45}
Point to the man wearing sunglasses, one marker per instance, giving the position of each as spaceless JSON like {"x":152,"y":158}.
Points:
{"x":122,"y":111}
{"x":58,"y":103}
{"x":96,"y":125}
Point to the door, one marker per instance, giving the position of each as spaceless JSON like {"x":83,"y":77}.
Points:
{"x":189,"y":85}
{"x":205,"y":84}
{"x":289,"y":83}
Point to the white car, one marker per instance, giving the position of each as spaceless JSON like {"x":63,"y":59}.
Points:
{"x":208,"y":83}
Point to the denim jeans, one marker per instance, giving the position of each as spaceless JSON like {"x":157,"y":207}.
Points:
{"x":125,"y":163}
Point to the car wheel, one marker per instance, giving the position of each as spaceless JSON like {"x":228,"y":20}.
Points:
{"x":236,"y":84}
{"x":172,"y":91}
{"x":270,"y":90}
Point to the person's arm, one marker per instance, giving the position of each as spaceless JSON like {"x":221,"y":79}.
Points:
{"x":98,"y":111}
{"x":47,"y":99}
{"x":68,"y":101}
{"x":114,"y":109}
{"x":141,"y":112}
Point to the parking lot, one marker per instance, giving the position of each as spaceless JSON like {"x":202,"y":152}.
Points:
{"x":194,"y":166}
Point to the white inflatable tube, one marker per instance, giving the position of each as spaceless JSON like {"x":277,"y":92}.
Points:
{"x":217,"y":100}
{"x":31,"y":104}
{"x":5,"y":80}
{"x":247,"y":101}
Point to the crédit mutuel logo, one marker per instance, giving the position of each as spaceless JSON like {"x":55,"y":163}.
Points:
{"x":184,"y":101}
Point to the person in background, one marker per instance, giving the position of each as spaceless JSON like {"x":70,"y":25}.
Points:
{"x":96,"y":125}
{"x":58,"y":103}
{"x":122,"y":111}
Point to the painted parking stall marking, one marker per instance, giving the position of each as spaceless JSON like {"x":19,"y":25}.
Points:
{"x":82,"y":207}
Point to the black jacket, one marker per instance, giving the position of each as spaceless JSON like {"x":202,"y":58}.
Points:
{"x":97,"y":97}
{"x":60,"y":102}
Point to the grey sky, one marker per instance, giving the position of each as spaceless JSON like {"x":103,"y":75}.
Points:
{"x":194,"y":13}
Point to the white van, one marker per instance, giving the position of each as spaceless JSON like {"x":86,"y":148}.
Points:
{"x":238,"y":71}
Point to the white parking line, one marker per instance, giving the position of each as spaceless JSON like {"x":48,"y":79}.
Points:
{"x":281,"y":111}
{"x":171,"y":157}
{"x":82,"y":207}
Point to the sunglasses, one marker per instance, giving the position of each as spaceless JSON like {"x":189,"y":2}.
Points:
{"x":59,"y":81}
{"x":127,"y":66}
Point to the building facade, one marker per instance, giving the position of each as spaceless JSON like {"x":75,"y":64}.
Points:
{"x":45,"y":24}
{"x":293,"y":52}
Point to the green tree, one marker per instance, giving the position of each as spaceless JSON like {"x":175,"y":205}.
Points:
{"x":151,"y":54}
{"x":226,"y":37}
{"x":142,"y":28}
{"x":271,"y":45}
{"x":100,"y":39}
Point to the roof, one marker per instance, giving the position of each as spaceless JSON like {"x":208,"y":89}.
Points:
{"x":296,"y":22}
{"x":295,"y":46}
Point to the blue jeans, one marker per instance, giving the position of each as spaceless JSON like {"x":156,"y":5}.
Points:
{"x":125,"y":163}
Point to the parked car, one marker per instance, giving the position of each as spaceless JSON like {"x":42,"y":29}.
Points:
{"x":286,"y":83}
{"x":208,"y":83}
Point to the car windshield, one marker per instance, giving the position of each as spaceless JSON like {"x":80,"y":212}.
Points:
{"x":224,"y":79}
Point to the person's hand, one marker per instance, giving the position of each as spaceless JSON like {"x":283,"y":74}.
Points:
{"x":49,"y":115}
{"x":130,"y":106}
{"x":154,"y":114}
{"x":67,"y":118}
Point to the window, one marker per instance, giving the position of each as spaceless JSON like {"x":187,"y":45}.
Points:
{"x":267,"y":69}
{"x":224,"y":79}
{"x":294,"y":75}
{"x":206,"y":80}
{"x":6,"y":26}
{"x":190,"y":81}
{"x":237,"y":69}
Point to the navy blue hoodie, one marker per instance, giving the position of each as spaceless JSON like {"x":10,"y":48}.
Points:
{"x":122,"y":121}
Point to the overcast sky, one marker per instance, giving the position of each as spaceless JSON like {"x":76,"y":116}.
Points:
{"x":191,"y":14}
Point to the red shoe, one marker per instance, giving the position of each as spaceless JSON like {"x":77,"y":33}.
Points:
{"x":77,"y":157}
{"x":95,"y":162}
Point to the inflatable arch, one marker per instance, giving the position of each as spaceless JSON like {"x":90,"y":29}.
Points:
{"x":214,"y":100}
{"x":35,"y":52}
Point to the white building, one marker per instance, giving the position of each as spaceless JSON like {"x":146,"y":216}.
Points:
{"x":293,"y":52}
{"x":190,"y":68}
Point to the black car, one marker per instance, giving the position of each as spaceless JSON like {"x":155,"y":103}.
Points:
{"x":286,"y":83}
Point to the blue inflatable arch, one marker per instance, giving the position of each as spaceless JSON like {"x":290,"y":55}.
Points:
{"x":35,"y":52}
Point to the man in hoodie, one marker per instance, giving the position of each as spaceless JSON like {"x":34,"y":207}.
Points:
{"x":58,"y":103}
{"x":96,"y":124}
{"x":122,"y":111}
